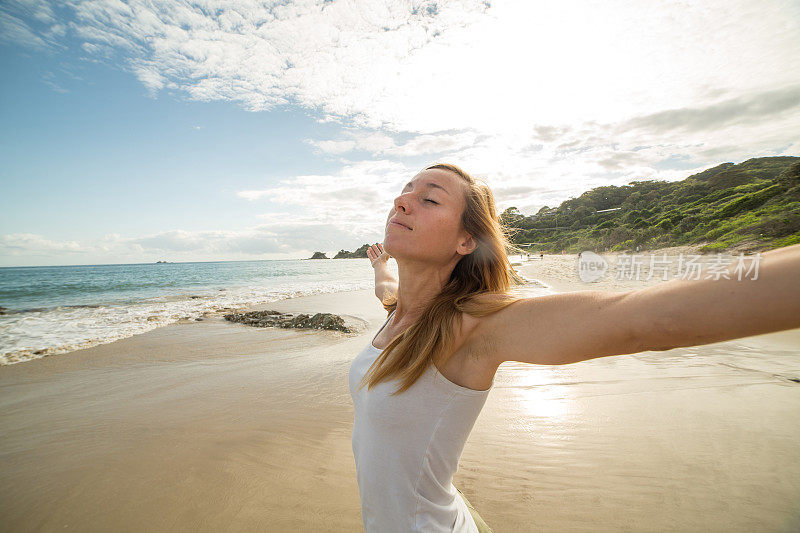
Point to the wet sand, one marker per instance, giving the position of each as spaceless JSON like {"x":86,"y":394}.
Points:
{"x":212,"y":426}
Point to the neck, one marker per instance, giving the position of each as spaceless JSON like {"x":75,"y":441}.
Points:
{"x":418,"y":285}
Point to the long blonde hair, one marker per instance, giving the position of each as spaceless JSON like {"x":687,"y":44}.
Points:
{"x":478,"y":285}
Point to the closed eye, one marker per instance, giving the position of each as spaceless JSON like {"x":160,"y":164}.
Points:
{"x":431,"y":201}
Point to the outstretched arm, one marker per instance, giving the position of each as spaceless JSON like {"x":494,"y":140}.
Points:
{"x":385,"y":282}
{"x":571,"y":327}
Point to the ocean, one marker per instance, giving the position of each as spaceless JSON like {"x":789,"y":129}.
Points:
{"x":56,"y":309}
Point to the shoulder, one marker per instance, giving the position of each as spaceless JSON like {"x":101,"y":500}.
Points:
{"x":472,"y":363}
{"x":465,"y":326}
{"x":486,"y":339}
{"x":474,"y":341}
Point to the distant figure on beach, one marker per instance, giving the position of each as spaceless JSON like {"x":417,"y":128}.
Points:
{"x":541,"y":257}
{"x":423,"y":379}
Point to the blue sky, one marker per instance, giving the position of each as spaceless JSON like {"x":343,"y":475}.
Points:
{"x":137,"y":131}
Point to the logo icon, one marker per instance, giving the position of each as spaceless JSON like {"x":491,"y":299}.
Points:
{"x":591,"y":266}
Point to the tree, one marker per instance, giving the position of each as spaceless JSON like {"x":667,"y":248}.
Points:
{"x":511,"y":216}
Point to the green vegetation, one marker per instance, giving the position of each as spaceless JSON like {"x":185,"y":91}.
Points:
{"x":749,"y":207}
{"x":360,"y":253}
{"x":752,"y":206}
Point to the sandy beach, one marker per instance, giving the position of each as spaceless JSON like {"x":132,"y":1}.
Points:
{"x":210,"y":426}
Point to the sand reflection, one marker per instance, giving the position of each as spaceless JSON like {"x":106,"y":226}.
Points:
{"x":540,"y":393}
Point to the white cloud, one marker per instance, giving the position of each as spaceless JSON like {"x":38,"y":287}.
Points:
{"x":39,"y":10}
{"x":380,"y":143}
{"x":275,"y":239}
{"x":33,"y":244}
{"x":12,"y":29}
{"x":542,"y":100}
{"x":356,"y":200}
{"x":461,"y":65}
{"x":467,"y":66}
{"x":150,"y":78}
{"x":335,"y":147}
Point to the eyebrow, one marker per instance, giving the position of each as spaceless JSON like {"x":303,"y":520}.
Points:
{"x":429,"y":184}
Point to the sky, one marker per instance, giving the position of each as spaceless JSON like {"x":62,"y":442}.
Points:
{"x":139,"y":131}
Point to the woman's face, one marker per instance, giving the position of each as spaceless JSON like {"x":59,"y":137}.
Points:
{"x":425,"y":220}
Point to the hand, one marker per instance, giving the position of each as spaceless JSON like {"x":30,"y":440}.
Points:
{"x":376,"y":253}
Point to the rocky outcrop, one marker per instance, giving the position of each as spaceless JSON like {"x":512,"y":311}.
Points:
{"x":319,"y":255}
{"x":263,"y":319}
{"x":361,"y":253}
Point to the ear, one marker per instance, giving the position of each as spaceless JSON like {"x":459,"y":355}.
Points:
{"x":467,"y":245}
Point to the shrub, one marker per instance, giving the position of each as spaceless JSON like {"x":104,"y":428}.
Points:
{"x":714,"y":233}
{"x":749,"y":201}
{"x":624,"y":245}
{"x":606,"y":224}
{"x":665,"y":225}
{"x":786,"y":241}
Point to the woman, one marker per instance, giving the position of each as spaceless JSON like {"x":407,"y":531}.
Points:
{"x":419,"y":385}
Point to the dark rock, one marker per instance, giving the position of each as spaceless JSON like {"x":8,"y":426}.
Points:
{"x":319,"y":255}
{"x":360,"y":253}
{"x":3,"y":310}
{"x":263,"y":319}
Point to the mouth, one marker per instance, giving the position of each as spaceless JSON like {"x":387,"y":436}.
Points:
{"x":396,"y":223}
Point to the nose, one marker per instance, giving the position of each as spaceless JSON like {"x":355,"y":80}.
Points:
{"x":400,"y":203}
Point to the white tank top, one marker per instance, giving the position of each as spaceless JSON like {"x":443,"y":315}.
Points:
{"x":407,"y":447}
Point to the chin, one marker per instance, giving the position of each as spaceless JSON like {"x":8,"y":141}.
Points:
{"x":392,"y":245}
{"x":387,"y":246}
